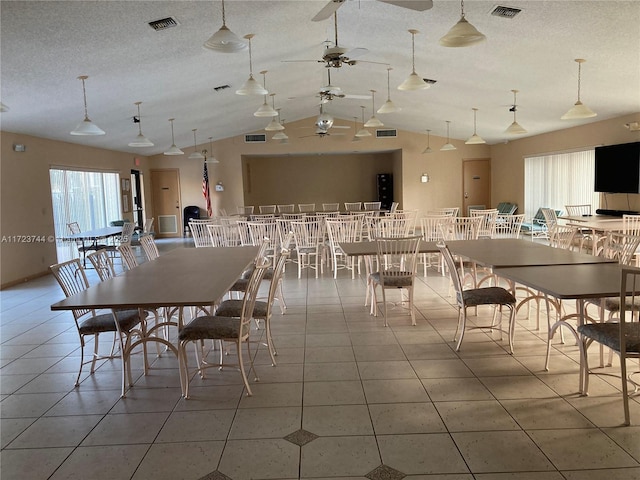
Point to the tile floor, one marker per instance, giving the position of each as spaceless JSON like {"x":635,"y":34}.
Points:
{"x":349,"y":398}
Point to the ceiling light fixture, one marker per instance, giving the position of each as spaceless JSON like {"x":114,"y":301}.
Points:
{"x":462,"y":34}
{"x":355,"y":129}
{"x":274,"y":125}
{"x":388,"y":106}
{"x":140,"y":140}
{"x":265,"y":109}
{"x":324,"y":120}
{"x":475,"y":139}
{"x":212,"y":158}
{"x":448,"y":146}
{"x":224,"y":40}
{"x":515,"y":128}
{"x":414,"y":81}
{"x":363,"y":132}
{"x":3,"y":107}
{"x":373,"y":121}
{"x":86,"y":127}
{"x":579,"y":110}
{"x":251,"y":87}
{"x":173,"y":150}
{"x":632,"y":126}
{"x":196,"y":155}
{"x":280,"y":135}
{"x":428,"y":149}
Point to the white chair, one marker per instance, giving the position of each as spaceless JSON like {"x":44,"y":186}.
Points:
{"x":309,"y":240}
{"x":149,"y":247}
{"x":288,"y":208}
{"x":432,"y":228}
{"x":307,"y":207}
{"x":267,"y":208}
{"x":199,"y":232}
{"x":347,"y":229}
{"x":488,"y":225}
{"x":353,"y":206}
{"x":259,"y":231}
{"x":245,"y":209}
{"x":508,"y":226}
{"x":389,"y":227}
{"x":631,"y":226}
{"x":372,"y":205}
{"x":330,"y":207}
{"x":449,"y":211}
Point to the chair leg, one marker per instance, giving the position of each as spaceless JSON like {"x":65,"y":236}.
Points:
{"x":462,"y":320}
{"x":241,"y":365}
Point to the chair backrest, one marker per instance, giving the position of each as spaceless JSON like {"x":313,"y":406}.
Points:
{"x":463,"y":228}
{"x":250,"y":297}
{"x":147,"y":228}
{"x":149,"y":247}
{"x":397,"y":258}
{"x":508,"y":226}
{"x":631,"y":224}
{"x":620,"y":246}
{"x":128,"y":256}
{"x":454,"y":273}
{"x":433,"y":226}
{"x":245,"y":209}
{"x":200,"y":233}
{"x":330,"y":207}
{"x":372,"y":205}
{"x":262,"y":217}
{"x":243,"y":232}
{"x":562,"y":236}
{"x":488,"y":225}
{"x":394,"y":206}
{"x":578,"y":210}
{"x":217,"y":235}
{"x":102,"y":263}
{"x":506,"y":208}
{"x":308,"y":234}
{"x":258,"y":231}
{"x":550,"y":217}
{"x":293,"y":216}
{"x":306,"y":207}
{"x":410,"y":216}
{"x":127,"y":233}
{"x":389,"y":227}
{"x":450,"y":211}
{"x":72,"y":279}
{"x":345,"y":229}
{"x":352,"y":206}
{"x":267,"y":208}
{"x":288,"y":208}
{"x":73,"y":227}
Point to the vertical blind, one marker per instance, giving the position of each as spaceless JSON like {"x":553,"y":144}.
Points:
{"x":90,"y":198}
{"x":559,"y":179}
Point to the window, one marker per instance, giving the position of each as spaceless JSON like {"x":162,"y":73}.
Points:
{"x":91,"y":198}
{"x":559,"y":179}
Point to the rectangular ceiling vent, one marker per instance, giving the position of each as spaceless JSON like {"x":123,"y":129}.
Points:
{"x":221,"y":87}
{"x":386,"y":133}
{"x":255,"y":138}
{"x":429,"y":81}
{"x":505,"y":12}
{"x":163,"y":23}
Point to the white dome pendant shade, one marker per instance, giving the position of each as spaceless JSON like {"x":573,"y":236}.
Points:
{"x":448,"y":146}
{"x":363,"y":132}
{"x":373,"y":122}
{"x":86,"y":126}
{"x":173,"y":150}
{"x":251,"y":86}
{"x":462,"y":34}
{"x":515,"y":128}
{"x":265,"y":109}
{"x":475,"y":139}
{"x":388,"y":106}
{"x":428,"y":149}
{"x":274,"y":125}
{"x":196,"y":155}
{"x":355,"y":129}
{"x":140,"y":140}
{"x":224,"y":40}
{"x":212,"y":158}
{"x":579,"y":110}
{"x":414,"y":81}
{"x":280,"y":135}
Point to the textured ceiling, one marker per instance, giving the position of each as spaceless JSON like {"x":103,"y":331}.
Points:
{"x":46,"y":45}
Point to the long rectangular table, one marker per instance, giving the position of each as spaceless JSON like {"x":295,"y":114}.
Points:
{"x":91,"y":236}
{"x":369,"y":248}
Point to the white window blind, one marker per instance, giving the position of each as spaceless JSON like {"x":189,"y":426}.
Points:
{"x":90,"y":198}
{"x":559,"y":179}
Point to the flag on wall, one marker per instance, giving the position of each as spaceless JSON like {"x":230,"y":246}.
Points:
{"x":205,"y":189}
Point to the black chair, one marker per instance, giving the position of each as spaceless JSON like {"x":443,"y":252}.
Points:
{"x":190,"y":213}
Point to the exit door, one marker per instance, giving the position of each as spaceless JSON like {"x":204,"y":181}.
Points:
{"x":165,"y":185}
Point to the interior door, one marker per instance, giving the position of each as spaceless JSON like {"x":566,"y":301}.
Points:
{"x":476,"y":184}
{"x":165,"y":187}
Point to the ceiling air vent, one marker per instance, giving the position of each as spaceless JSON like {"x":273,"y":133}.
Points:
{"x":386,"y":133}
{"x":163,"y":23}
{"x":221,"y":87}
{"x":505,"y":12}
{"x":255,"y":138}
{"x":429,"y":81}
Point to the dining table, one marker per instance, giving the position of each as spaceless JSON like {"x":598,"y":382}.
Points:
{"x":597,"y":225}
{"x":89,"y":239}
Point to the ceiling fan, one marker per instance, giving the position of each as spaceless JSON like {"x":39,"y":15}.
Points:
{"x":329,"y":92}
{"x":331,"y":7}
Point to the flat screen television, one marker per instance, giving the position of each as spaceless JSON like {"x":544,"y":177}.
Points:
{"x":618,"y":168}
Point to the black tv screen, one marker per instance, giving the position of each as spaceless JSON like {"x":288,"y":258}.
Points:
{"x":618,"y":168}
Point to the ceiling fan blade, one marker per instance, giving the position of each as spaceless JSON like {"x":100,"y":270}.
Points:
{"x":356,"y":52}
{"x":327,"y":10}
{"x":418,"y":5}
{"x":358,"y":97}
{"x":341,"y":126}
{"x":293,"y":61}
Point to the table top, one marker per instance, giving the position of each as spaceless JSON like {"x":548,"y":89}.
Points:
{"x":94,"y":234}
{"x":181,"y":277}
{"x":578,"y":281}
{"x":590,"y":218}
{"x":369,"y":248}
{"x":515,"y":252}
{"x":610,"y":224}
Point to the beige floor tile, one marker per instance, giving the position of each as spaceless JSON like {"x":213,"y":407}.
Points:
{"x":545,"y":413}
{"x":317,"y":372}
{"x":628,"y":438}
{"x":86,"y":402}
{"x":124,"y":429}
{"x":329,"y":354}
{"x":32,"y":463}
{"x":275,"y":422}
{"x":212,"y":397}
{"x":273,"y":395}
{"x":441,"y":368}
{"x":450,"y":389}
{"x":104,"y":462}
{"x":372,"y":353}
{"x":474,"y":416}
{"x":339,"y":456}
{"x":392,"y":369}
{"x":29,"y":404}
{"x":513,"y":387}
{"x":56,"y":432}
{"x":337,"y":420}
{"x":196,"y":426}
{"x":603,"y":474}
{"x":496,"y":366}
{"x":394,"y":391}
{"x":405,"y":418}
{"x":170,"y":461}
{"x":334,"y":393}
{"x":267,"y":459}
{"x":430,"y":351}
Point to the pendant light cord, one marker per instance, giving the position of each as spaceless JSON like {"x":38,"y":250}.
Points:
{"x":335,"y":26}
{"x":173,"y":141}
{"x":413,"y":52}
{"x":250,"y":61}
{"x":462,"y":7}
{"x":84,"y":95}
{"x":388,"y":85}
{"x":223,"y":15}
{"x":579,"y":75}
{"x":139,"y":120}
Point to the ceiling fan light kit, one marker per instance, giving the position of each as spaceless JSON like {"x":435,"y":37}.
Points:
{"x":173,"y":150}
{"x":224,"y":40}
{"x":475,"y":139}
{"x":140,"y":140}
{"x":251,"y":86}
{"x":86,"y":126}
{"x":579,"y":109}
{"x":448,"y":146}
{"x":462,"y":34}
{"x":196,"y":155}
{"x":515,"y":128}
{"x":414,"y":81}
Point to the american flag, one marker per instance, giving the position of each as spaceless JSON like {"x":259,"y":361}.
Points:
{"x":205,"y":189}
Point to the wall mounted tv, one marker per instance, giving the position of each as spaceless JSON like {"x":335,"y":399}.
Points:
{"x":618,"y":168}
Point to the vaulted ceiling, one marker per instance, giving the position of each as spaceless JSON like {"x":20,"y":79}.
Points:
{"x":46,"y":45}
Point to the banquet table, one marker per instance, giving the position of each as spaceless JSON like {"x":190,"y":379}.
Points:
{"x":92,"y":237}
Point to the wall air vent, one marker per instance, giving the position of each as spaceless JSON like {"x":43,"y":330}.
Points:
{"x":255,"y":138}
{"x":386,"y":133}
{"x":505,"y":12}
{"x":221,"y":87}
{"x":163,"y":23}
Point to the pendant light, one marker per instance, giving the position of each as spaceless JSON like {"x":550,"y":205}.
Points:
{"x":475,"y":139}
{"x":579,"y":110}
{"x":86,"y":127}
{"x":251,"y":87}
{"x":196,"y":155}
{"x":280,"y":135}
{"x":448,"y":146}
{"x":274,"y":125}
{"x":363,"y":132}
{"x":414,"y":81}
{"x":173,"y":150}
{"x":355,"y":129}
{"x":388,"y":106}
{"x":428,"y":149}
{"x":462,"y":34}
{"x":515,"y":128}
{"x":140,"y":140}
{"x":373,"y":121}
{"x":224,"y":40}
{"x":212,"y":158}
{"x":265,"y":109}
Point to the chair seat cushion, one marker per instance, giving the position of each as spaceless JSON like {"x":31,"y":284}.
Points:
{"x":211,"y":327}
{"x":307,"y":250}
{"x":233,"y":308}
{"x":488,"y":296}
{"x":609,"y":334}
{"x":612,"y":304}
{"x":398,"y":279}
{"x":104,"y":322}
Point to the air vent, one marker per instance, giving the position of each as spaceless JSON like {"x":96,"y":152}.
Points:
{"x":505,"y":12}
{"x":429,"y":81}
{"x":255,"y":138}
{"x":163,"y":23}
{"x":221,"y":87}
{"x":389,"y":132}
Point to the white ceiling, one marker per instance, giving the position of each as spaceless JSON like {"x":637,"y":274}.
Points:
{"x":46,"y":45}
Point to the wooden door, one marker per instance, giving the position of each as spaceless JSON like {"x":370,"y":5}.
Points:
{"x":165,"y":188}
{"x":476,"y":184}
